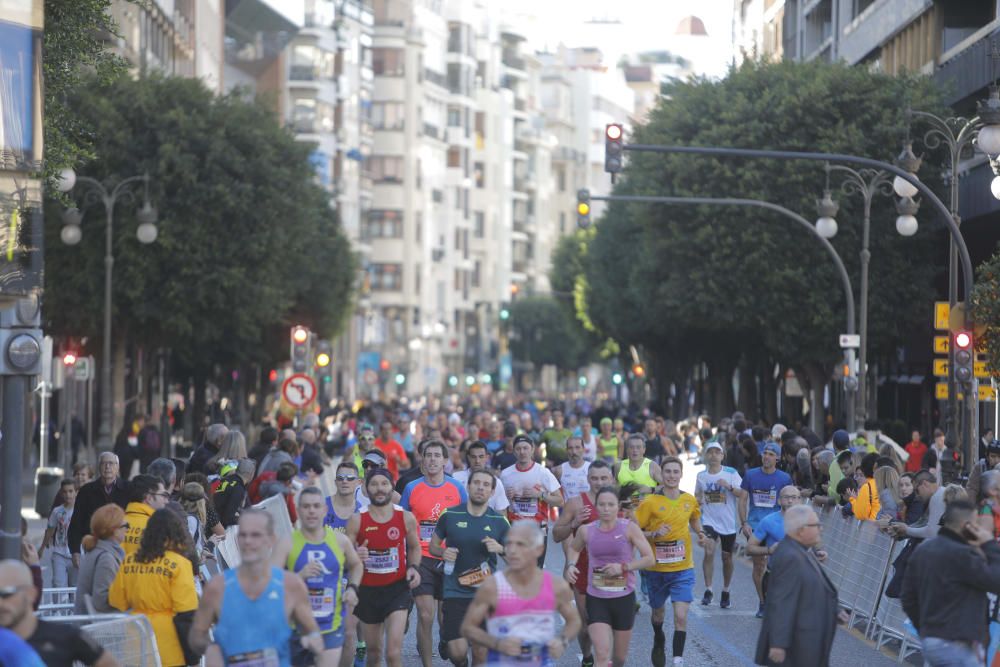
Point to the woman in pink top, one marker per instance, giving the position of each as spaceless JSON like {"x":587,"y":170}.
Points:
{"x":611,"y":543}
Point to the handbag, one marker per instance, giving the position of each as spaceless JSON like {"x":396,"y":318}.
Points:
{"x":182,"y":623}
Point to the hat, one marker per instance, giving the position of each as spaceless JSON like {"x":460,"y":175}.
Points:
{"x":376,"y":472}
{"x":715,"y":444}
{"x":366,"y":427}
{"x":193,"y":491}
{"x":773,"y":447}
{"x":524,"y":438}
{"x":374,"y":457}
{"x":841,"y":439}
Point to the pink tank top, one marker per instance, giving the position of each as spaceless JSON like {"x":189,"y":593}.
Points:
{"x":604,"y":548}
{"x":531,"y":620}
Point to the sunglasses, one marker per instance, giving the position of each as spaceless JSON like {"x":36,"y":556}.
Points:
{"x":346,"y":478}
{"x":10,"y":591}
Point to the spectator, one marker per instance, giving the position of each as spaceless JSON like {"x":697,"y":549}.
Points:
{"x":953,"y":492}
{"x":108,"y":488}
{"x":166,"y":471}
{"x":913,"y":506}
{"x":212,"y":527}
{"x":281,"y":483}
{"x":841,"y":443}
{"x":268,"y":440}
{"x":148,"y":495}
{"x":917,"y":451}
{"x":890,"y":502}
{"x":232,"y":448}
{"x":989,"y":506}
{"x":286,"y":451}
{"x":63,"y":570}
{"x":103,"y":556}
{"x":932,"y":493}
{"x":29,"y":556}
{"x":208,"y":449}
{"x":989,"y":462}
{"x":193,"y":499}
{"x":310,"y":461}
{"x":231,"y":496}
{"x":83,"y":473}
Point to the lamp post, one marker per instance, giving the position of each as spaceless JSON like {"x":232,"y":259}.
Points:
{"x":71,"y":234}
{"x":867,"y":182}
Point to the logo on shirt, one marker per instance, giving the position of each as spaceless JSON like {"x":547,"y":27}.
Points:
{"x":462,"y":524}
{"x":392,"y":533}
{"x":487,"y":529}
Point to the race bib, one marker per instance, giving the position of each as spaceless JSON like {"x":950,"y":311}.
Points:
{"x":427,"y":530}
{"x":382,"y":561}
{"x":715,"y":497}
{"x":321,"y":599}
{"x":765,"y":497}
{"x":608,"y":582}
{"x":474,"y":577}
{"x":267,"y":657}
{"x":527,"y":507}
{"x":668,"y":553}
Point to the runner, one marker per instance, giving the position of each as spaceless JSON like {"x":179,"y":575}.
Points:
{"x":389,"y":544}
{"x":637,"y":469}
{"x":427,"y":497}
{"x":329,"y":566}
{"x":762,"y":485}
{"x":344,"y":503}
{"x":717,"y":491}
{"x":518,"y":606}
{"x":608,"y":446}
{"x":554,"y":440}
{"x":588,"y":436}
{"x":580,"y":511}
{"x":531,"y":488}
{"x":665,"y":520}
{"x":252,"y":607}
{"x":572,"y":474}
{"x":609,"y":576}
{"x":474,"y":535}
{"x":477,"y":458}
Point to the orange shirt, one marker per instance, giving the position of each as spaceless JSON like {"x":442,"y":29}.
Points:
{"x":394,"y":455}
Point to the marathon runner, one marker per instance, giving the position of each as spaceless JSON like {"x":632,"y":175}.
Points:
{"x":717,"y":490}
{"x":572,"y":474}
{"x":329,"y":566}
{"x":580,"y":511}
{"x":518,"y":606}
{"x":389,"y":544}
{"x":667,"y":519}
{"x":769,"y":532}
{"x":554,"y":439}
{"x":531,"y":488}
{"x":427,"y":497}
{"x":608,"y":446}
{"x":344,"y":503}
{"x":637,"y":469}
{"x":610,"y":576}
{"x":253,"y":606}
{"x":762,"y":485}
{"x":474,"y":535}
{"x":477,"y":458}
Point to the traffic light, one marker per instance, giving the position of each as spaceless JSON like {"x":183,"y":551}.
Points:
{"x":583,"y":208}
{"x":452,"y":380}
{"x":638,"y":370}
{"x":324,"y":357}
{"x":964,"y":356}
{"x":616,"y":378}
{"x":504,"y":312}
{"x":69,"y":359}
{"x":613,"y":151}
{"x":384,"y":365}
{"x":300,"y":352}
{"x":400,"y":379}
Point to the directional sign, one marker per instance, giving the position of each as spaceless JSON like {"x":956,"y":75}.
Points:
{"x":941,"y":344}
{"x":941,"y":369}
{"x":942,"y":314}
{"x":986,"y":392}
{"x":299,"y":390}
{"x":850,"y":340}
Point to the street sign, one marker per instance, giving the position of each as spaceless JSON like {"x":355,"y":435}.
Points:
{"x":941,"y":344}
{"x":850,"y":340}
{"x":299,"y":390}
{"x":942,"y":313}
{"x":986,"y":392}
{"x":941,"y":369}
{"x":83,"y":369}
{"x":371,"y":377}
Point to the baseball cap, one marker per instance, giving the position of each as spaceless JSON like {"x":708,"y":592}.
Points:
{"x":374,"y":457}
{"x":524,"y":438}
{"x":773,"y":447}
{"x":714,"y":445}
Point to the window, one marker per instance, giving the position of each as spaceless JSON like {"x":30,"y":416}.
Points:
{"x":387,"y":277}
{"x":454,"y":156}
{"x":561,"y":178}
{"x":312,"y":117}
{"x":388,"y":115}
{"x":562,"y":222}
{"x":480,"y":126}
{"x":386,"y":169}
{"x":476,"y":273}
{"x":388,"y":62}
{"x":419,"y":225}
{"x":454,"y":116}
{"x":479,"y":174}
{"x":389,"y":12}
{"x":479,"y":226}
{"x":383,"y":224}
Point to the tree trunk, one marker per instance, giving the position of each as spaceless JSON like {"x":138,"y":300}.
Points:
{"x":747,"y":400}
{"x":769,"y":390}
{"x":198,"y":409}
{"x":720,"y":380}
{"x":814,"y":378}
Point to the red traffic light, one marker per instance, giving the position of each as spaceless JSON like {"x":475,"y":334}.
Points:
{"x":384,"y":364}
{"x":963,"y":340}
{"x":69,"y":359}
{"x":272,"y":376}
{"x":300,"y":334}
{"x":613,"y":131}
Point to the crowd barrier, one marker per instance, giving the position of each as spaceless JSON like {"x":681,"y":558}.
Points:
{"x":859,"y":563}
{"x":127,"y":637}
{"x":57,"y":602}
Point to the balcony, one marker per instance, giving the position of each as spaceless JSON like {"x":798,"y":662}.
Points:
{"x":255,"y":34}
{"x":437,"y":78}
{"x":513,"y":61}
{"x":966,"y":71}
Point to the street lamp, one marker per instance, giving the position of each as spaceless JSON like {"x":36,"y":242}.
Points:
{"x":71,"y":234}
{"x":867,"y":183}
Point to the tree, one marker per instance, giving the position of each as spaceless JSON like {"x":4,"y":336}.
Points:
{"x":721,"y":285}
{"x":986,"y":311}
{"x":543,"y":332}
{"x":247,"y":239}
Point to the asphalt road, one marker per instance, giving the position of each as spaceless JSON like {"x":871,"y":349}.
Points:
{"x":715,"y":636}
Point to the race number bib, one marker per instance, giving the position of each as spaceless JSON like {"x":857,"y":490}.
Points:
{"x":527,"y":507}
{"x":382,"y":561}
{"x":715,"y":496}
{"x":427,"y":530}
{"x":668,"y":553}
{"x":765,"y":497}
{"x":267,"y":657}
{"x":474,"y":577}
{"x":608,"y":582}
{"x":321,"y":599}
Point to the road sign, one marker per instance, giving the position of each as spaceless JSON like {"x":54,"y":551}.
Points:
{"x":371,"y":377}
{"x":850,"y":340}
{"x":941,"y":344}
{"x":299,"y":390}
{"x":942,"y":313}
{"x":83,"y":369}
{"x":941,"y":369}
{"x":986,"y":392}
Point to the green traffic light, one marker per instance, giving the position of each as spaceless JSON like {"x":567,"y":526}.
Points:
{"x":504,"y":314}
{"x":616,"y":378}
{"x":583,"y":381}
{"x":400,"y":378}
{"x":452,"y":380}
{"x":487,"y":378}
{"x":470,"y":380}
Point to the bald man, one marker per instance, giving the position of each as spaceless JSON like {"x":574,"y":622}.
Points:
{"x":58,"y":645}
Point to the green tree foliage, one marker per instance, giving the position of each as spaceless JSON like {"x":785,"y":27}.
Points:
{"x":544,"y":332}
{"x":986,"y":311}
{"x":710,"y":283}
{"x":247,"y":240}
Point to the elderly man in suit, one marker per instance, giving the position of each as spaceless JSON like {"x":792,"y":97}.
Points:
{"x":801,"y":608}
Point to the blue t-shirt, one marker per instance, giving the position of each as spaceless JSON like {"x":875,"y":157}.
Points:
{"x":494,"y":446}
{"x":763,"y":490}
{"x":771,"y":529}
{"x":14,"y":651}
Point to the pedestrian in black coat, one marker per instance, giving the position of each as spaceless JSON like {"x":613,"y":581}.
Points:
{"x":107,"y":488}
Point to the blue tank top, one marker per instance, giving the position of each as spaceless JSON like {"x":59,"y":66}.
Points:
{"x":254,"y":633}
{"x":334,"y":521}
{"x":325,"y":591}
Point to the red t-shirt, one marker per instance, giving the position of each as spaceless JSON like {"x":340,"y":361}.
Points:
{"x":394,"y":454}
{"x":916,"y":450}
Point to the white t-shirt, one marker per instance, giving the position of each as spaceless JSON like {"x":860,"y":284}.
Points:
{"x":537,"y":478}
{"x":718,"y":507}
{"x":498,"y":501}
{"x":589,"y":448}
{"x":574,"y":480}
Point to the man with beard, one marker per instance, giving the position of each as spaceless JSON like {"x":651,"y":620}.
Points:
{"x":389,"y":544}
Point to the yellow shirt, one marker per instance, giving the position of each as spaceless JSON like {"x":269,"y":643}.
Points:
{"x":159,"y":590}
{"x":867,"y":505}
{"x":673,"y":550}
{"x":136,"y":516}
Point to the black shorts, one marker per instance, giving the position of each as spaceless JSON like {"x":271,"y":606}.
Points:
{"x":619,"y":613}
{"x":728,"y":541}
{"x":454,"y":613}
{"x":375,"y":603}
{"x":431,"y":578}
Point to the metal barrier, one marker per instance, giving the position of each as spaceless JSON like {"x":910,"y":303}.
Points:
{"x":127,"y":637}
{"x":57,"y":602}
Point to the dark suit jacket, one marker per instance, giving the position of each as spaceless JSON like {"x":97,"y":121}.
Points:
{"x":801,"y":609}
{"x":93,"y":496}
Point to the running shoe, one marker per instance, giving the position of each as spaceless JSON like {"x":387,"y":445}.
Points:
{"x":588,"y":661}
{"x":659,"y":654}
{"x":360,"y":654}
{"x":724,"y":602}
{"x":707,"y":598}
{"x":678,"y":661}
{"x":760,"y":610}
{"x":443,"y":650}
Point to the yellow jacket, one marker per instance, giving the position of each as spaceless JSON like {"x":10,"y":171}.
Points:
{"x":866,"y":506}
{"x":136,"y":516}
{"x":159,"y":590}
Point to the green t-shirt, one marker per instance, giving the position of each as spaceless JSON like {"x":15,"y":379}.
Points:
{"x":465,"y":532}
{"x":555,"y":444}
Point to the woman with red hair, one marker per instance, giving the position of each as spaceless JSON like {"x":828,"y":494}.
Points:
{"x":103,"y":556}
